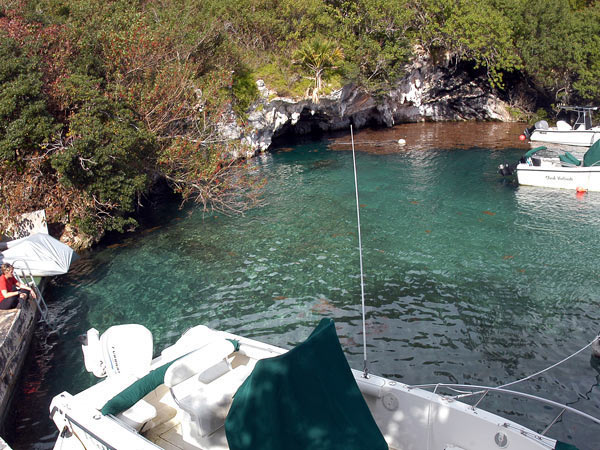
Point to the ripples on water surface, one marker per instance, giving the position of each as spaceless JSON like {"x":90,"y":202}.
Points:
{"x":468,"y":277}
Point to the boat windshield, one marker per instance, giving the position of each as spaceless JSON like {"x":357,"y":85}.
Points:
{"x":584,"y":115}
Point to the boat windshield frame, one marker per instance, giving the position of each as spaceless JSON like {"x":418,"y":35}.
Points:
{"x":584,"y":115}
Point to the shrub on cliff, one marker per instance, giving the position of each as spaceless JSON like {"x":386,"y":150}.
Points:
{"x":104,"y":154}
{"x":25,"y":123}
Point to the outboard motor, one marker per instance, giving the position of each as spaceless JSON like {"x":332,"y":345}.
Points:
{"x":121,"y":349}
{"x":506,"y":169}
{"x":527,"y":132}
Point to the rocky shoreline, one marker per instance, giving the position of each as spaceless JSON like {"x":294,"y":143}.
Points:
{"x":427,"y":93}
{"x":17,"y":327}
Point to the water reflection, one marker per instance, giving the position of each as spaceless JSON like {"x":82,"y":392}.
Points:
{"x":439,"y":135}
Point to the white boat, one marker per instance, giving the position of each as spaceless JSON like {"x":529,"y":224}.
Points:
{"x":561,"y":171}
{"x":582,"y":133}
{"x":215,"y":390}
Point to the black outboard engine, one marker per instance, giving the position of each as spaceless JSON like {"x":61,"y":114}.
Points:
{"x":507,"y":169}
{"x":504,"y":170}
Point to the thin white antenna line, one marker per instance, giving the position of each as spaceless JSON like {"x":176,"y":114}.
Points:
{"x":362,"y":284}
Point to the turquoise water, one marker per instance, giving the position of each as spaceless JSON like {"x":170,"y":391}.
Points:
{"x":468,"y":277}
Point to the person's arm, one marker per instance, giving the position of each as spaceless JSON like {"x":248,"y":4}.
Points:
{"x":24,"y":286}
{"x":7,"y":294}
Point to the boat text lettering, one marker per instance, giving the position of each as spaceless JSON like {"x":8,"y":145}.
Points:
{"x":559,"y":178}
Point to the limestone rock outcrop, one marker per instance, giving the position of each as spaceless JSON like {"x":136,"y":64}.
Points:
{"x":426,"y":93}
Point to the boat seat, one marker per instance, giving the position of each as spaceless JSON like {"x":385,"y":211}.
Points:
{"x":561,"y":125}
{"x":191,"y":340}
{"x":206,"y":404}
{"x":202,"y":384}
{"x":200,"y":362}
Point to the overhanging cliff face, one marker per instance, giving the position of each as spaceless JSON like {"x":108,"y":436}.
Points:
{"x":426,"y":93}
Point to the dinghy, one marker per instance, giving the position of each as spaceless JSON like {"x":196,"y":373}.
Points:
{"x":216,"y":390}
{"x":557,"y":170}
{"x":582,"y":133}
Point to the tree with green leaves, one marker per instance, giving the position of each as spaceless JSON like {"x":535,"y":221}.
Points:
{"x":318,"y":56}
{"x":105,"y":153}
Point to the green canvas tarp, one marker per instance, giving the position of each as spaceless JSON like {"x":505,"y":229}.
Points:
{"x":304,"y":399}
{"x":592,"y":156}
{"x":569,"y":159}
{"x":533,"y":151}
{"x":136,"y":391}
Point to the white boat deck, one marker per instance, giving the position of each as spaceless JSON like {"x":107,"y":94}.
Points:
{"x":168,"y":436}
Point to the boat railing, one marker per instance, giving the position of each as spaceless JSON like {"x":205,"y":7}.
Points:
{"x":24,"y":275}
{"x":484,"y":390}
{"x":584,"y":115}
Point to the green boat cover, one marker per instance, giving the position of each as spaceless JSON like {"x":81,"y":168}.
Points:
{"x":533,"y":151}
{"x":592,"y":156}
{"x":569,"y":159}
{"x":136,"y":391}
{"x":306,"y":398}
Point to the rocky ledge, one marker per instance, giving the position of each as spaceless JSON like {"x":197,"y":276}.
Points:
{"x":426,"y":93}
{"x":16,"y":331}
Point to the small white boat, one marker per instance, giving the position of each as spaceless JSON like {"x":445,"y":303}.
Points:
{"x":562,"y":171}
{"x":215,"y":390}
{"x":582,"y":133}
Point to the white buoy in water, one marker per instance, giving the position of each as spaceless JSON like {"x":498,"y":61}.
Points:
{"x":401,"y":142}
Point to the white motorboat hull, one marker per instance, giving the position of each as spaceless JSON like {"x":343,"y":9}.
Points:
{"x":409,"y":418}
{"x":553,"y":175}
{"x":578,"y":138}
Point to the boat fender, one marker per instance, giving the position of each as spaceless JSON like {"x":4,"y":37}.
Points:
{"x":92,"y":353}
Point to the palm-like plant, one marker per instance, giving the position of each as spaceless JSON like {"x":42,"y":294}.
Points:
{"x":318,"y":56}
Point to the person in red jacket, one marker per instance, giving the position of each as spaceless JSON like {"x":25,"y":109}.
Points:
{"x":11,"y":290}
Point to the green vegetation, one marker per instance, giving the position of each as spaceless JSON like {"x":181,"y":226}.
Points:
{"x":100,"y":98}
{"x":24,"y":119}
{"x":318,"y":56}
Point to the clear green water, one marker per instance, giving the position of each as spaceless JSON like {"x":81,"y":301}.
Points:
{"x":468,"y":278}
